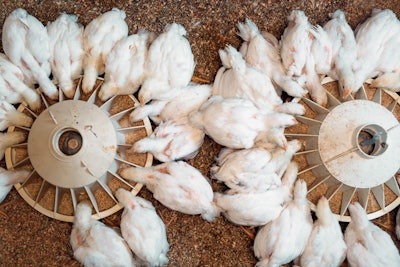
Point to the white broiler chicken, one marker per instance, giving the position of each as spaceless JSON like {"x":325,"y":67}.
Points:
{"x":296,"y":43}
{"x":246,"y":170}
{"x":99,"y":37}
{"x":170,"y":64}
{"x":237,"y":79}
{"x":178,"y":108}
{"x":95,"y":244}
{"x":372,"y":37}
{"x":171,"y":141}
{"x":143,"y":229}
{"x":321,"y":50}
{"x":124,"y":69}
{"x":12,"y":86}
{"x":10,"y":116}
{"x":344,"y":52}
{"x":284,"y":239}
{"x":263,"y":53}
{"x":388,"y":80}
{"x":178,"y":186}
{"x":367,"y":244}
{"x":66,"y":51}
{"x":8,"y":179}
{"x":326,"y":246}
{"x":256,"y":209}
{"x":235,"y":122}
{"x":26,"y":43}
{"x":10,"y":139}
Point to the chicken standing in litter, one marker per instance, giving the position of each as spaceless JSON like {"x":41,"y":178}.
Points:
{"x":326,"y":246}
{"x":235,"y":122}
{"x":10,"y":116}
{"x":124,"y":68}
{"x":256,"y":209}
{"x":264,"y":55}
{"x":176,"y":109}
{"x":367,"y":244}
{"x":95,"y":244}
{"x":178,"y":186}
{"x":66,"y":51}
{"x":143,"y":229}
{"x":237,"y":79}
{"x":344,"y":52}
{"x":26,"y":43}
{"x":170,"y":64}
{"x":12,"y":86}
{"x":284,"y":239}
{"x":10,"y":139}
{"x":8,"y":179}
{"x":171,"y":141}
{"x":372,"y":37}
{"x":99,"y":37}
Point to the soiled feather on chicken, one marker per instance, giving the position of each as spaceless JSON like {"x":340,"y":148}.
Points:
{"x":284,"y":239}
{"x":66,"y":51}
{"x":12,"y":86}
{"x":170,"y":64}
{"x":326,"y":246}
{"x":26,"y":43}
{"x":10,"y":116}
{"x":143,"y":229}
{"x":99,"y":37}
{"x":256,"y":209}
{"x":124,"y":68}
{"x":178,"y":186}
{"x":236,"y":122}
{"x":95,"y":244}
{"x":263,"y":53}
{"x":367,"y":244}
{"x":237,"y":79}
{"x":8,"y":179}
{"x":171,"y":141}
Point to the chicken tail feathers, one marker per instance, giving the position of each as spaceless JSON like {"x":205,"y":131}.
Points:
{"x":89,"y":79}
{"x":248,"y":30}
{"x":211,"y":213}
{"x":232,"y":59}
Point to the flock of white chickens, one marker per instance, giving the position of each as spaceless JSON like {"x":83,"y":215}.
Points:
{"x":242,"y":111}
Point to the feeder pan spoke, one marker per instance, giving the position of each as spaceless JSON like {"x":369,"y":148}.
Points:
{"x":351,"y":149}
{"x":74,"y":150}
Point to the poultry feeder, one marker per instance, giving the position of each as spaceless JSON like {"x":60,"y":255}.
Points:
{"x":351,"y":150}
{"x":74,"y":149}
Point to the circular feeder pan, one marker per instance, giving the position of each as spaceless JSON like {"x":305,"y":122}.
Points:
{"x":351,"y":150}
{"x":74,"y":150}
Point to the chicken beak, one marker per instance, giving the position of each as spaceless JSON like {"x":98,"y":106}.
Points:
{"x":346,"y":93}
{"x":141,"y":101}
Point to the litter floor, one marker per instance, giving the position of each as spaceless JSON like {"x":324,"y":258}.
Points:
{"x":28,"y":238}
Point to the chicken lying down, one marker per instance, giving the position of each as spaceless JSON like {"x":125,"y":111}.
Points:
{"x":326,"y":246}
{"x":344,"y":52}
{"x":253,"y":170}
{"x":170,"y":64}
{"x":261,"y":50}
{"x":367,"y":244}
{"x":237,"y":79}
{"x":235,"y":122}
{"x":26,"y":43}
{"x":9,"y":139}
{"x":10,"y":116}
{"x":12,"y":86}
{"x":99,"y":37}
{"x":95,"y":244}
{"x":176,"y":109}
{"x":124,"y":68}
{"x":284,"y":239}
{"x":66,"y":51}
{"x":8,"y":179}
{"x":178,"y":186}
{"x":171,"y":141}
{"x":143,"y":229}
{"x":377,"y":46}
{"x":256,"y":209}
